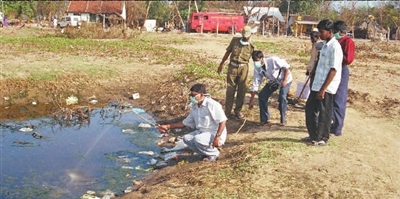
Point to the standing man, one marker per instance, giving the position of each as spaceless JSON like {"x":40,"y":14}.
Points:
{"x":340,"y":98}
{"x":319,"y":104}
{"x":240,"y":50}
{"x":316,"y":47}
{"x":276,"y":70}
{"x":209,"y":121}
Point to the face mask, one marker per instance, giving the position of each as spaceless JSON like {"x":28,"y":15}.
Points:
{"x":337,"y":36}
{"x":257,"y":64}
{"x":244,"y":43}
{"x":193,"y":99}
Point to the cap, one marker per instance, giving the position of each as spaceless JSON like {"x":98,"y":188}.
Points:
{"x":246,"y":32}
{"x":315,"y":29}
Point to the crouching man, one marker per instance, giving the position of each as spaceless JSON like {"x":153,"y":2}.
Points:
{"x":209,"y":121}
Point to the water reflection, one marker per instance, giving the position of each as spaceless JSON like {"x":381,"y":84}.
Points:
{"x":61,"y":158}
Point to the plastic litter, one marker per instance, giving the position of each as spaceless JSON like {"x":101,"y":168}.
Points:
{"x":130,"y":131}
{"x":179,"y":146}
{"x":144,"y":125}
{"x":127,"y":167}
{"x":149,"y":153}
{"x":71,"y":100}
{"x":135,"y":96}
{"x":26,"y":129}
{"x":170,"y":155}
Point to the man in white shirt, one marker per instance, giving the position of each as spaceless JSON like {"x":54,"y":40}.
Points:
{"x":276,"y":70}
{"x":319,"y":104}
{"x":208,"y":119}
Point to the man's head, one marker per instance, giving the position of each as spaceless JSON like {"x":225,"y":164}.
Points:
{"x":325,"y":29}
{"x":257,"y":57}
{"x":197,"y":93}
{"x":340,"y":27}
{"x":314,"y":36}
{"x":246,"y":33}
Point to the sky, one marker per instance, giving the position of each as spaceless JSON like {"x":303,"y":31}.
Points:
{"x":359,"y":3}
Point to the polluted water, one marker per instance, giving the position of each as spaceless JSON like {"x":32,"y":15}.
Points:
{"x":101,"y":155}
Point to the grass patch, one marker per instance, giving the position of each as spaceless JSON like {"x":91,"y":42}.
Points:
{"x":271,"y":48}
{"x":200,"y":70}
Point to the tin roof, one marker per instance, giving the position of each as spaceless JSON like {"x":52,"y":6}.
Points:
{"x":103,"y":7}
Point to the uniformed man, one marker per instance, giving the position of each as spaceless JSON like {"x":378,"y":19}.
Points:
{"x":240,"y":50}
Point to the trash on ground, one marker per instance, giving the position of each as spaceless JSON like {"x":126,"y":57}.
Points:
{"x":34,"y":103}
{"x":6,"y":98}
{"x":138,"y":110}
{"x":160,"y":165}
{"x":135,"y":96}
{"x":171,"y":155}
{"x":179,"y":146}
{"x":71,"y":100}
{"x":93,"y":101}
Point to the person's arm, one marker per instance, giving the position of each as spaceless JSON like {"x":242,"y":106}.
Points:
{"x":285,"y":75}
{"x":257,"y":79}
{"x":348,"y":52}
{"x":227,"y":53}
{"x":165,"y":127}
{"x":221,"y":128}
{"x":328,"y":80}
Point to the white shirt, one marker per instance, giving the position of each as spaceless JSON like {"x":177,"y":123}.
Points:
{"x":272,"y":66}
{"x":207,"y":117}
{"x":331,"y":56}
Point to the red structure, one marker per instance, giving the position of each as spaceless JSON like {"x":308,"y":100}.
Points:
{"x":211,"y":21}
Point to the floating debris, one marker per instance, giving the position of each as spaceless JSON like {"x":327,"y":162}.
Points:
{"x":26,"y":129}
{"x":179,"y":146}
{"x":138,"y":110}
{"x":130,"y":131}
{"x":144,"y":125}
{"x":152,"y":161}
{"x":149,"y":153}
{"x":37,"y":135}
{"x":71,"y":100}
{"x":127,"y":167}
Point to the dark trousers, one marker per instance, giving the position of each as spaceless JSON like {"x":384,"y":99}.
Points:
{"x":263,"y":97}
{"x":339,"y":103}
{"x":318,"y":116}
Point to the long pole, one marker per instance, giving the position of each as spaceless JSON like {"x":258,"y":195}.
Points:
{"x":2,"y":10}
{"x":287,"y":21}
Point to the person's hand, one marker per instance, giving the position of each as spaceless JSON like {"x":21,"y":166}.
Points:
{"x":284,"y":83}
{"x":219,"y":69}
{"x":320,"y":95}
{"x":307,"y":73}
{"x":251,"y":104}
{"x":163,"y":128}
{"x":216,"y":141}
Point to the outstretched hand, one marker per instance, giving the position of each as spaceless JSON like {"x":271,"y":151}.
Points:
{"x":163,"y":128}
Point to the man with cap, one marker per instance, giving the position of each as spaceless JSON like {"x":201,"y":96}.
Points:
{"x":209,"y":121}
{"x":340,"y":98}
{"x":239,"y":50}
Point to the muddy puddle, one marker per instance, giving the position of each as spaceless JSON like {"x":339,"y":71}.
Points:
{"x":105,"y":153}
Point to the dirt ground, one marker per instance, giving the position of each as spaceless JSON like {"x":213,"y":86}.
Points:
{"x":256,"y":162}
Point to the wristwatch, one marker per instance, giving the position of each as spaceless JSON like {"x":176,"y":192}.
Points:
{"x":218,"y":134}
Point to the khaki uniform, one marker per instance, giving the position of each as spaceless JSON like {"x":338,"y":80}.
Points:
{"x":237,"y":74}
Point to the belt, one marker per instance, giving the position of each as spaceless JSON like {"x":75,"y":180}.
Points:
{"x":236,"y":64}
